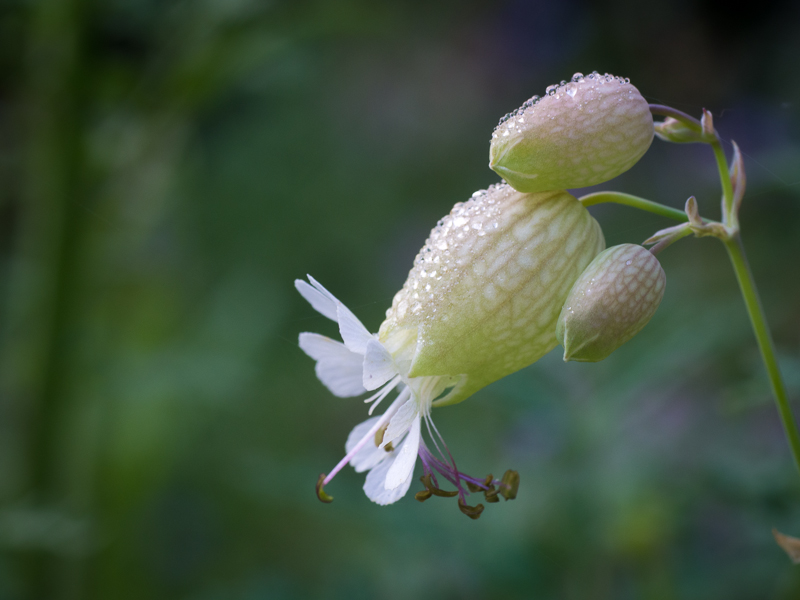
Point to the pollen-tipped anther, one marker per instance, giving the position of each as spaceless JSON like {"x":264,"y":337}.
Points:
{"x":320,"y":492}
{"x":473,"y":512}
{"x":509,"y":485}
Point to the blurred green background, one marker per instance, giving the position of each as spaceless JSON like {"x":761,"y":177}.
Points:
{"x":168,"y":168}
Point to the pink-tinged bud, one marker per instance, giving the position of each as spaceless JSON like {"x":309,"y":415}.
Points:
{"x":611,"y":301}
{"x":579,"y":134}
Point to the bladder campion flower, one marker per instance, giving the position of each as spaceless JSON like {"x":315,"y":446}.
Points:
{"x":481,"y":302}
{"x":578,"y":134}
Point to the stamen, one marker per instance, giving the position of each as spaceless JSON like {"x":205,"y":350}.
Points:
{"x":426,"y":481}
{"x":379,"y":435}
{"x":401,"y":398}
{"x":320,"y":492}
{"x":473,"y":512}
{"x":423,"y":495}
{"x":474,"y":487}
{"x":388,"y":447}
{"x":382,"y":393}
{"x":510,"y":485}
{"x":491,"y":487}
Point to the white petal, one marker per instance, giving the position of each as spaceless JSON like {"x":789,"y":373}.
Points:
{"x":378,"y":365}
{"x":320,"y":347}
{"x":354,"y":334}
{"x":403,"y":466}
{"x":322,"y":303}
{"x":375,"y":485}
{"x":370,"y":455}
{"x":338,"y":368}
{"x":343,"y":380}
{"x":401,"y":421}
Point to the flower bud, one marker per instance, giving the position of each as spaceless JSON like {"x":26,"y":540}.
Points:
{"x":486,"y":289}
{"x":580,"y":133}
{"x":611,"y":301}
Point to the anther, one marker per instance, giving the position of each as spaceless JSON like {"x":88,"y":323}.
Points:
{"x":379,"y":435}
{"x":388,"y":447}
{"x":426,"y":481}
{"x":320,"y":492}
{"x":510,"y":485}
{"x":423,"y":495}
{"x":473,"y":512}
{"x":473,"y":487}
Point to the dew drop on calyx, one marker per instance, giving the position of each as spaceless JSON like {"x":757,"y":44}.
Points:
{"x":577,"y":77}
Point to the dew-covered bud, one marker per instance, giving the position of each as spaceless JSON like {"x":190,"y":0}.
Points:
{"x":579,"y":134}
{"x":611,"y":301}
{"x":486,"y":289}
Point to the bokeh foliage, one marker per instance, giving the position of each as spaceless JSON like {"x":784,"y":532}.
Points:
{"x":168,"y":168}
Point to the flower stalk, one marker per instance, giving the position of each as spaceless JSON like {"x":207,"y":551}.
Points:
{"x":732,"y":181}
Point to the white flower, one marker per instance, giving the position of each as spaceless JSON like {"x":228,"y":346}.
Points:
{"x":388,"y":445}
{"x":480,"y":302}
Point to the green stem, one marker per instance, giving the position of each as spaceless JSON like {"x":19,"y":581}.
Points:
{"x":765,"y":344}
{"x":635,"y":202}
{"x":668,"y":111}
{"x":728,"y":218}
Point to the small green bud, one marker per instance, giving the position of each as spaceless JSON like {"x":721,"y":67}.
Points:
{"x":580,"y":133}
{"x":611,"y":301}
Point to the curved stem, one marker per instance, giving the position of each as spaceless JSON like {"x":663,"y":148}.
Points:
{"x":727,"y":186}
{"x":634,"y":202}
{"x":668,"y":111}
{"x":765,"y":344}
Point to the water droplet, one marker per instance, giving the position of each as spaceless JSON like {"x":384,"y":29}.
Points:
{"x":577,"y":77}
{"x":628,"y":263}
{"x":551,"y":90}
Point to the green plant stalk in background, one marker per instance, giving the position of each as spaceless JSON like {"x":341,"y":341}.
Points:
{"x":765,"y":345}
{"x":736,"y":252}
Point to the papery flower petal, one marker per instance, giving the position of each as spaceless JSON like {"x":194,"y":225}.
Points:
{"x":379,"y":366}
{"x":354,"y":334}
{"x":323,"y":303}
{"x":374,"y":486}
{"x":401,"y":421}
{"x":337,"y":368}
{"x":370,"y":455}
{"x":403,"y":466}
{"x":321,"y":347}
